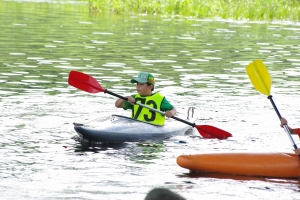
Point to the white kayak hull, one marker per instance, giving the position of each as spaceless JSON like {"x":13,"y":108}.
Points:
{"x":118,"y":129}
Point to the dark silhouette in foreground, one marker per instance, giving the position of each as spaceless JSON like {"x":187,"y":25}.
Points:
{"x":163,"y":194}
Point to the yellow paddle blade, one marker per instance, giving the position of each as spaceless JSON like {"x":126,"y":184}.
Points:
{"x":259,"y":76}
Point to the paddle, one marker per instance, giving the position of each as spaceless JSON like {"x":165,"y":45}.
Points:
{"x":89,"y":84}
{"x":261,"y":80}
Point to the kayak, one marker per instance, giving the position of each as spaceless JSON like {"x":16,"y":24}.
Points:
{"x":118,"y":129}
{"x":275,"y":165}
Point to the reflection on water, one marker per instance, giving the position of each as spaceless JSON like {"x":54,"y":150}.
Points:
{"x":195,"y":62}
{"x":41,"y":49}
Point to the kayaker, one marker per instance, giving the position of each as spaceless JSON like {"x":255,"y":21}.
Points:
{"x":144,"y":87}
{"x":292,"y":131}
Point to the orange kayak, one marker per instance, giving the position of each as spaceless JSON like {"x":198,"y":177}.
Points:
{"x":276,"y":165}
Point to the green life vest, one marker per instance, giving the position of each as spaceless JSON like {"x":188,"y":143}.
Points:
{"x":146,"y":115}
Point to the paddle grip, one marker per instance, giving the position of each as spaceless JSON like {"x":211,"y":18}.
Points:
{"x":284,"y":126}
{"x":126,"y":99}
{"x":163,"y":113}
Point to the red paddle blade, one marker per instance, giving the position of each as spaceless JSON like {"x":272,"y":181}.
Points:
{"x":84,"y":82}
{"x":208,"y":131}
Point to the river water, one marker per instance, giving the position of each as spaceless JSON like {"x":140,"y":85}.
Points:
{"x":198,"y":63}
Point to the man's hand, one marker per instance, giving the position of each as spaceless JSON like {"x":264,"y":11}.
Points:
{"x":297,"y":151}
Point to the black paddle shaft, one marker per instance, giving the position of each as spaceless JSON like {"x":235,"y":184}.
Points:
{"x":278,"y":114}
{"x":116,"y":95}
